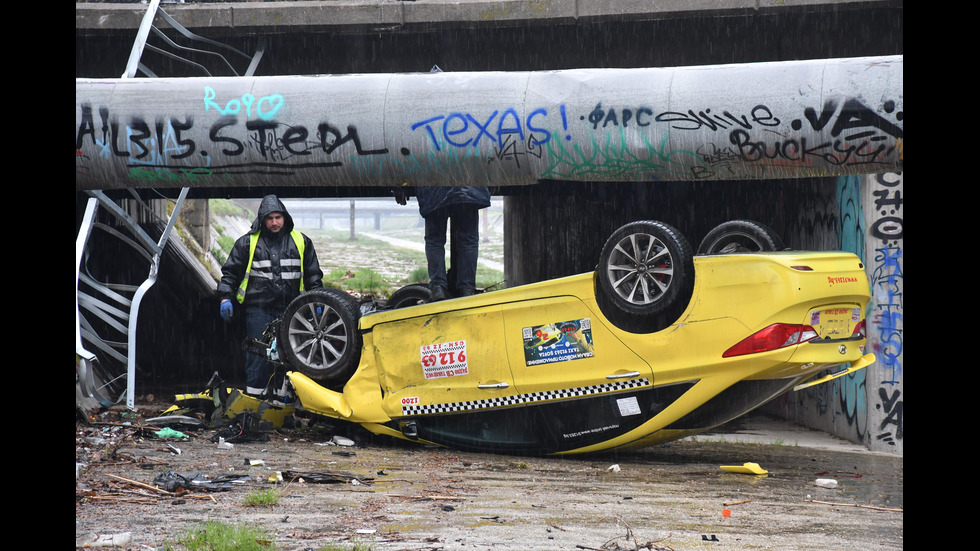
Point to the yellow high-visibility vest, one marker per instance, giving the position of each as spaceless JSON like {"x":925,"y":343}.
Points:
{"x":253,"y":241}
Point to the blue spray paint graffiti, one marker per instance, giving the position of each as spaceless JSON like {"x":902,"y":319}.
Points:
{"x":265,"y":108}
{"x":887,"y":291}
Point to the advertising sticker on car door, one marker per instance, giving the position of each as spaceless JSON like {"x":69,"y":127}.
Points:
{"x":558,"y":342}
{"x":447,"y":359}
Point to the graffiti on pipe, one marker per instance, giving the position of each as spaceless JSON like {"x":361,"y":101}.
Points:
{"x":502,"y":144}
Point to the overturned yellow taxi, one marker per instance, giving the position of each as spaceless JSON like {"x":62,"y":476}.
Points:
{"x":658,"y":343}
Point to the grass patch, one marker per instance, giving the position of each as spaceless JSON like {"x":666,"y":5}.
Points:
{"x":418,"y":275}
{"x":361,"y":280}
{"x":262,"y":498}
{"x":227,"y":207}
{"x":219,"y":536}
{"x":489,"y":279}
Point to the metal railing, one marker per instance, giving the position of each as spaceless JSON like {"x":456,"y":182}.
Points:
{"x":107,"y":311}
{"x":107,"y":301}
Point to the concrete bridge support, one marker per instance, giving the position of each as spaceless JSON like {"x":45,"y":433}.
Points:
{"x":196,"y":217}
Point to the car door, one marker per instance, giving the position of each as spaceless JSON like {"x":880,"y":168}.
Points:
{"x":441,"y":362}
{"x":581,"y":382}
{"x":558,"y":345}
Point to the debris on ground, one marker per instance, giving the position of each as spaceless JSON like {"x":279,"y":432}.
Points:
{"x":857,"y":505}
{"x":130,"y":481}
{"x":175,"y":482}
{"x":176,"y":422}
{"x":629,"y":542}
{"x":745,"y":468}
{"x":124,"y":539}
{"x":825,"y":483}
{"x":168,"y":432}
{"x":325,"y":477}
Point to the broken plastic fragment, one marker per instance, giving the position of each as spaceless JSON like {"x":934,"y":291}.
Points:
{"x":112,"y":540}
{"x":168,"y":432}
{"x":826,"y":483}
{"x":745,"y":468}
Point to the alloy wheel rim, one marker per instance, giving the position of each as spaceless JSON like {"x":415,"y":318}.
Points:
{"x":640,"y":269}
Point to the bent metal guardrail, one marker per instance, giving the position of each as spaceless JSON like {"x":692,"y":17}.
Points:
{"x":720,"y":122}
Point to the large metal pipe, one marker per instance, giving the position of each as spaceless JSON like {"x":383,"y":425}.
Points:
{"x":720,"y":122}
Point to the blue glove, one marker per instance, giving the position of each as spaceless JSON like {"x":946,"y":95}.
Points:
{"x":226,"y":310}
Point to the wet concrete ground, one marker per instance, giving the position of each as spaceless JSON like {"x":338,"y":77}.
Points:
{"x":413,"y":498}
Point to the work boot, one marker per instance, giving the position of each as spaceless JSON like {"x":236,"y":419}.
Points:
{"x":439,"y":294}
{"x":467,"y":292}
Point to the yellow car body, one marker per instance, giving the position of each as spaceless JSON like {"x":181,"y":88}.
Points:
{"x":540,"y":369}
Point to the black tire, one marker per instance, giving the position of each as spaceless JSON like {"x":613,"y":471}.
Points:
{"x":410,"y":295}
{"x":324,"y":346}
{"x":740,"y":236}
{"x":645,"y":276}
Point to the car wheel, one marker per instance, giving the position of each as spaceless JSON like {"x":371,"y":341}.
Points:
{"x":645,"y":276}
{"x":740,"y":236}
{"x":410,"y":295}
{"x":318,"y":335}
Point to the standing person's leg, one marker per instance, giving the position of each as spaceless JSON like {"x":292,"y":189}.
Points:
{"x":466,"y":242}
{"x":257,"y":370}
{"x":435,"y":253}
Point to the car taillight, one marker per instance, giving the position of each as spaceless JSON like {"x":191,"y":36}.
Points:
{"x":774,"y":337}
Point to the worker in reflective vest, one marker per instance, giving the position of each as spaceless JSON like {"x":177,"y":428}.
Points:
{"x":266,"y":269}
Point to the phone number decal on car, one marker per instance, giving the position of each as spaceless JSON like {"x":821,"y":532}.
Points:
{"x":558,"y":342}
{"x":446,"y":359}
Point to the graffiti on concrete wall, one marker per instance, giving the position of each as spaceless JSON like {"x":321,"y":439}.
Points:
{"x":849,"y":392}
{"x":866,"y":406}
{"x":886,"y":233}
{"x":606,"y":125}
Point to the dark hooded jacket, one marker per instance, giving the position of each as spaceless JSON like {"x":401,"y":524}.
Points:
{"x":273,"y":290}
{"x":432,"y":198}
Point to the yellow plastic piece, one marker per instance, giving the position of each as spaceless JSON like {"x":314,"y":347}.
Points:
{"x":745,"y":468}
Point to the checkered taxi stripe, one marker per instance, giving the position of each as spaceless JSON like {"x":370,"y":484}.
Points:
{"x":520,"y":399}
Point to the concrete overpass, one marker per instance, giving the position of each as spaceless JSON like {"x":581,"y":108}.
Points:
{"x":568,"y":113}
{"x":500,"y":49}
